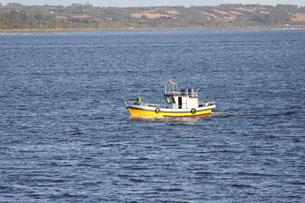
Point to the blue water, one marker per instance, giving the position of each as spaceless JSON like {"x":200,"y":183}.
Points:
{"x":67,"y":137}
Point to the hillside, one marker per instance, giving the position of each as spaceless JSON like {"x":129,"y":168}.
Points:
{"x":78,"y":16}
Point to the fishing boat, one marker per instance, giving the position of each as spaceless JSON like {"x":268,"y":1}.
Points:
{"x":180,"y":103}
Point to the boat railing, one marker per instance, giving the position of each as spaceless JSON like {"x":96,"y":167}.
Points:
{"x":172,"y":89}
{"x":183,"y":92}
{"x":147,"y":104}
{"x":208,"y":103}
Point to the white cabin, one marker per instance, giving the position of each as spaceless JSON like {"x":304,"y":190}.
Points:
{"x":180,"y":98}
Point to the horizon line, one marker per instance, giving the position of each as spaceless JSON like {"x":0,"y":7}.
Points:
{"x":89,"y":4}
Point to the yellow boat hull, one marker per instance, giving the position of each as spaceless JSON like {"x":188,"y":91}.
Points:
{"x":147,"y":113}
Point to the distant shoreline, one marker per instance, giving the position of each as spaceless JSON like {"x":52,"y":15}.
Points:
{"x":139,"y":29}
{"x":16,"y":18}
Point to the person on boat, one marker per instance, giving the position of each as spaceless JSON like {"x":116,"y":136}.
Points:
{"x":139,"y":100}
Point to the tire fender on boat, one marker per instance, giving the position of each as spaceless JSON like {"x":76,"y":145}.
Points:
{"x":157,"y":110}
{"x":193,"y":111}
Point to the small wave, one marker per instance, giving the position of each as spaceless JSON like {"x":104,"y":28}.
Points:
{"x":241,"y":186}
{"x":296,"y":182}
{"x":136,"y":180}
{"x":228,"y":114}
{"x":136,"y":168}
{"x":98,"y":118}
{"x":169,"y":189}
{"x":76,"y":132}
{"x":91,"y":183}
{"x":68,"y":195}
{"x":287,"y":113}
{"x":139,"y":159}
{"x":257,"y":174}
{"x":259,"y":114}
{"x":124,"y":176}
{"x":221,"y":114}
{"x":2,"y":188}
{"x":143,"y":118}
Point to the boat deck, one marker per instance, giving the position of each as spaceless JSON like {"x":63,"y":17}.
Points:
{"x":127,"y":103}
{"x":148,"y":104}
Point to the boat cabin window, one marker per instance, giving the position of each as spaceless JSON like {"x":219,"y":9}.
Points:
{"x":168,"y":100}
{"x":173,"y":100}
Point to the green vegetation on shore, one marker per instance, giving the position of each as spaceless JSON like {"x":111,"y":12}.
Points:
{"x":77,"y":16}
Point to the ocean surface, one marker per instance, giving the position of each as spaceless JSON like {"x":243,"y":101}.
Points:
{"x":66,"y":136}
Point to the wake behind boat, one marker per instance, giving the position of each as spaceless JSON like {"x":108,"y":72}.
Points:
{"x":181,"y":103}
